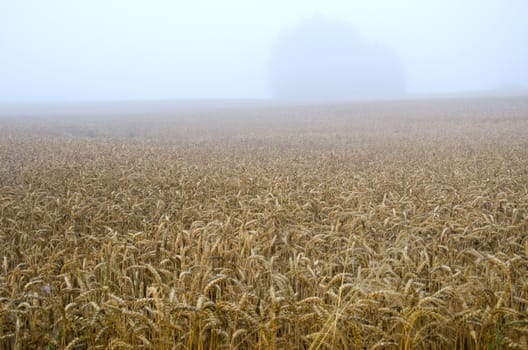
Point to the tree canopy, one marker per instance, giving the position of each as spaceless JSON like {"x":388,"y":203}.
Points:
{"x":322,"y":59}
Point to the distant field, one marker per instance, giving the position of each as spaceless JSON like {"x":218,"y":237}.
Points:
{"x":393,"y":225}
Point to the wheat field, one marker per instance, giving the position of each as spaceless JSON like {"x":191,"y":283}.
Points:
{"x":400,"y":225}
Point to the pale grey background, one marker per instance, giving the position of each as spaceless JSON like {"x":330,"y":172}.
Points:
{"x":65,"y":50}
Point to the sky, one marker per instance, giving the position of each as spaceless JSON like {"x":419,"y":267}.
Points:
{"x":104,"y":50}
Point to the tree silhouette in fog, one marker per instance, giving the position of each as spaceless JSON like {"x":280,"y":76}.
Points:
{"x":322,"y":59}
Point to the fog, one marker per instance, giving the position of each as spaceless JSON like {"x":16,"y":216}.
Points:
{"x":106,"y":50}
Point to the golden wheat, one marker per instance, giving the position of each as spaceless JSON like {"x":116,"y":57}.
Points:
{"x":378,"y":226}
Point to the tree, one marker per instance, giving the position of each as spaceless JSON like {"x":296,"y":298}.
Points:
{"x":321,"y":59}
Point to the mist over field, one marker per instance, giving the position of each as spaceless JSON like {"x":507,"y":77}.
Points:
{"x":99,"y":50}
{"x":305,"y":174}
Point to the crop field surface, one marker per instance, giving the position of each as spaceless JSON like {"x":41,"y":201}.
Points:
{"x":390,"y":225}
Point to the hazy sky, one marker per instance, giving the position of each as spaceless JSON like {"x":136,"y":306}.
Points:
{"x":57,"y":50}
